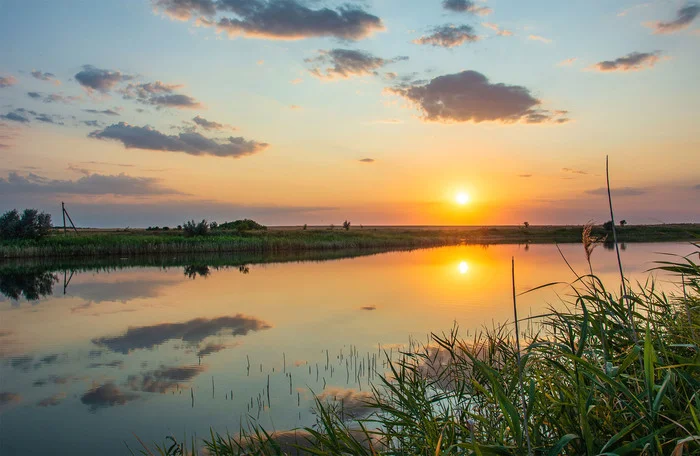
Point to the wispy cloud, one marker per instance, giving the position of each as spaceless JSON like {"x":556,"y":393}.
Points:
{"x":54,"y":97}
{"x":499,"y":31}
{"x":466,"y":6}
{"x":568,"y":62}
{"x":539,"y":38}
{"x":193,"y":143}
{"x":622,"y":191}
{"x":7,"y":81}
{"x":160,"y":94}
{"x":346,"y":63}
{"x":211,"y":125}
{"x":634,"y":61}
{"x":684,"y":17}
{"x":45,"y":76}
{"x":449,"y":36}
{"x":367,"y":160}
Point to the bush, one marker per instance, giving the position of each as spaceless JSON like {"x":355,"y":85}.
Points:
{"x":193,"y":228}
{"x":31,"y":225}
{"x":213,"y":225}
{"x":608,"y":226}
{"x":242,"y":225}
{"x":346,"y":225}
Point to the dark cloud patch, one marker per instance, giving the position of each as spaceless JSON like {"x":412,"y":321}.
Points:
{"x":622,"y":191}
{"x":15,"y":116}
{"x":50,"y":118}
{"x":133,"y":137}
{"x":293,"y":20}
{"x":106,"y":112}
{"x":634,"y":61}
{"x":7,"y":81}
{"x":466,"y":6}
{"x":164,"y":379}
{"x":684,"y":16}
{"x":21,"y":362}
{"x":470,"y":97}
{"x":449,"y":36}
{"x":345,"y":63}
{"x":92,"y":123}
{"x":92,"y":78}
{"x":107,"y":395}
{"x":35,"y":95}
{"x":210,"y":124}
{"x":51,"y":401}
{"x":193,"y":332}
{"x":160,"y":94}
{"x":368,"y":308}
{"x":367,"y":160}
{"x":45,"y":76}
{"x":91,"y":184}
{"x":524,"y":175}
{"x":60,"y":98}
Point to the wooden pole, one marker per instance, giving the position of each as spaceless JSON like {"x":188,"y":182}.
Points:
{"x":63,"y":212}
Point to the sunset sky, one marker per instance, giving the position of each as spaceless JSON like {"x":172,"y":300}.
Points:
{"x":139,"y":113}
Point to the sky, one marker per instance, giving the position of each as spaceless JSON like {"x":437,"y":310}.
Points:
{"x":141,"y":113}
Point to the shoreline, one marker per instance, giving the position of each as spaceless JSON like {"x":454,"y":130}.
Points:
{"x":91,"y":243}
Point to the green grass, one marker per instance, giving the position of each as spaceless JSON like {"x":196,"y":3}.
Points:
{"x":611,"y":373}
{"x":139,"y":242}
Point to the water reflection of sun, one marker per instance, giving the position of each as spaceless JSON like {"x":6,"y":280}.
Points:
{"x":463,"y":267}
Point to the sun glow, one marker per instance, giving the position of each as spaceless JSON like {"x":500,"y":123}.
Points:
{"x":463,"y":267}
{"x":462,"y":198}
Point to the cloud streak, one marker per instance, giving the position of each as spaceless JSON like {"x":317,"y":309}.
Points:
{"x":634,"y":61}
{"x":211,"y":125}
{"x":449,"y":36}
{"x":91,"y":184}
{"x":192,"y":143}
{"x":44,"y":76}
{"x":346,"y":63}
{"x":469,"y":96}
{"x":684,"y":17}
{"x":159,"y":94}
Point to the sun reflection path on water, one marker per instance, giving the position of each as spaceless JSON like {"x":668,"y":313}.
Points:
{"x":463,"y":267}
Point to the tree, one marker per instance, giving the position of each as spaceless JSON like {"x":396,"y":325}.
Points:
{"x":193,"y":228}
{"x":623,"y":222}
{"x":31,"y":225}
{"x":526,"y":224}
{"x":213,"y":225}
{"x":608,"y":226}
{"x":346,"y":225}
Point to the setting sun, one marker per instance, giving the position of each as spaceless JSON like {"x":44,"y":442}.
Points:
{"x":462,"y":198}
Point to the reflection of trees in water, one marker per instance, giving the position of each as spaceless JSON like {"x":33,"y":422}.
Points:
{"x":194,"y":270}
{"x":609,"y":244}
{"x":31,"y":285}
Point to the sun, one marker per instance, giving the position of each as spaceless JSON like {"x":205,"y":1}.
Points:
{"x":462,"y":198}
{"x":463,"y":267}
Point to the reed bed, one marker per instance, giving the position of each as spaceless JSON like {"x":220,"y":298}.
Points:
{"x":90,"y":243}
{"x":604,"y":373}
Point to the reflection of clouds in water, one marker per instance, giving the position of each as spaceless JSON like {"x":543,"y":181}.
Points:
{"x":24,"y":362}
{"x":293,"y":442}
{"x":214,"y":348}
{"x":107,"y":395}
{"x":7,"y":399}
{"x":193,"y":331}
{"x":121,"y":291}
{"x":164,"y":379}
{"x":116,"y":363}
{"x":351,"y":402}
{"x":52,"y":400}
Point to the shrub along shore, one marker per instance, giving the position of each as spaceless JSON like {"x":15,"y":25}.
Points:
{"x":93,"y":242}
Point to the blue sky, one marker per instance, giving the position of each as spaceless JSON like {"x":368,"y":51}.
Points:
{"x":303,"y":136}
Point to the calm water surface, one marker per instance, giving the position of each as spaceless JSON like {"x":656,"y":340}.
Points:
{"x":93,"y":354}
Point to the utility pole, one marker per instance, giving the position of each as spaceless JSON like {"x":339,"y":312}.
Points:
{"x":63,"y":212}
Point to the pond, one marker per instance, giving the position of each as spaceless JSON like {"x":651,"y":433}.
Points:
{"x":94,"y":353}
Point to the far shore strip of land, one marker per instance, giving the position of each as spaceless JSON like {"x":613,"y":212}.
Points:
{"x":88,"y":242}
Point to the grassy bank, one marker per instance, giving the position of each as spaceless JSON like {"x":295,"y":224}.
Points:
{"x":611,"y":373}
{"x":139,"y":242}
